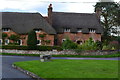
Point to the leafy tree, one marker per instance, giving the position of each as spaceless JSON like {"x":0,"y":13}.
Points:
{"x":32,"y":40}
{"x":68,"y":44}
{"x":47,"y":41}
{"x":4,"y":35}
{"x":15,"y":38}
{"x":89,"y":45}
{"x":109,"y":18}
{"x":42,"y":36}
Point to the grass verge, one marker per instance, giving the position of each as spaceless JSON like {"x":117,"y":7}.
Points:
{"x":72,"y":68}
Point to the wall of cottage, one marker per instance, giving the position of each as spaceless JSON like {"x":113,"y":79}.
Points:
{"x":64,"y":52}
{"x":24,"y":37}
{"x":78,"y":36}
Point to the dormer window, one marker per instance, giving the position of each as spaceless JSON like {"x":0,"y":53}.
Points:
{"x":6,"y":30}
{"x":79,"y":30}
{"x":67,"y":30}
{"x":92,"y":30}
{"x":37,"y":30}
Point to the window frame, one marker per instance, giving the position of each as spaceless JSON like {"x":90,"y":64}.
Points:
{"x":1,"y":41}
{"x":79,"y":29}
{"x":63,"y":40}
{"x":5,"y":30}
{"x":39,"y":42}
{"x":91,"y":30}
{"x":21,"y":41}
{"x":37,"y":30}
{"x":7,"y":41}
{"x":66,"y":29}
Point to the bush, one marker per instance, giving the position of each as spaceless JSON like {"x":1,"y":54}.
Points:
{"x":13,"y":44}
{"x":111,"y":46}
{"x":68,"y":44}
{"x":58,"y":48}
{"x":15,"y":38}
{"x":32,"y":38}
{"x":88,"y":45}
{"x":40,"y":48}
{"x":4,"y":35}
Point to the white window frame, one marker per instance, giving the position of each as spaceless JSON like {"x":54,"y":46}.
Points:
{"x":92,"y":30}
{"x":79,"y":30}
{"x":5,"y":30}
{"x":37,"y":30}
{"x":63,"y":40}
{"x":39,"y":42}
{"x":67,"y":30}
{"x":1,"y":41}
{"x":20,"y":41}
{"x":7,"y":41}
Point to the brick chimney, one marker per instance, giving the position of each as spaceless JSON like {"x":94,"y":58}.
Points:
{"x":98,"y":12}
{"x":50,"y":14}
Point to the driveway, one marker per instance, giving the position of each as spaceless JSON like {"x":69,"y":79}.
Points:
{"x":13,"y":74}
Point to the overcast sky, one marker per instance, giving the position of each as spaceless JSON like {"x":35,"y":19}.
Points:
{"x":79,"y":6}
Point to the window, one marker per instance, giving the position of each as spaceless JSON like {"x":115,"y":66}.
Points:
{"x":20,"y":42}
{"x":63,"y":40}
{"x":37,"y":30}
{"x":79,"y":30}
{"x":0,"y":41}
{"x":6,"y":41}
{"x":67,"y":30}
{"x":6,"y":30}
{"x":92,"y":30}
{"x":38,"y":42}
{"x":79,"y":42}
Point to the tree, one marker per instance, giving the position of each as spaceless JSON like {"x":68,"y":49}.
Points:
{"x":42,"y":36}
{"x":68,"y":44}
{"x":4,"y":35}
{"x":47,"y":42}
{"x":32,"y":40}
{"x":89,"y":45}
{"x":15,"y":38}
{"x":109,"y":17}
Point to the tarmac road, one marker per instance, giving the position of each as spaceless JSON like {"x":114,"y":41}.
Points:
{"x":9,"y":73}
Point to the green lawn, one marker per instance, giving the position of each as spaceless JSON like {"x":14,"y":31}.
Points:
{"x":72,"y":68}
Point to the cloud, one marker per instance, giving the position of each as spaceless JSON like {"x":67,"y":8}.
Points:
{"x":82,"y":6}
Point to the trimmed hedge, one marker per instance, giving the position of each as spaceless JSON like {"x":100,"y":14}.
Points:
{"x":40,"y":48}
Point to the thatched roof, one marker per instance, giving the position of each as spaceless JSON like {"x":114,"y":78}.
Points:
{"x":61,"y":20}
{"x":22,"y":23}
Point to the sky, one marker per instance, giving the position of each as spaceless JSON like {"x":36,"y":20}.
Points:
{"x":33,"y":6}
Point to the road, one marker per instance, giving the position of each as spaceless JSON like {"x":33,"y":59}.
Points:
{"x":13,"y":74}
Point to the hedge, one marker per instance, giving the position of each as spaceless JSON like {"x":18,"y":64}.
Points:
{"x":40,"y":48}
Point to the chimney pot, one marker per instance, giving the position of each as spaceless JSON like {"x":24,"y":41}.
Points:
{"x":50,"y":6}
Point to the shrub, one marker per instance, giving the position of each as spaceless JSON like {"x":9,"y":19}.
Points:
{"x":4,"y":35}
{"x":88,"y":45}
{"x":58,"y":48}
{"x":111,"y":46}
{"x":68,"y":44}
{"x":13,"y":44}
{"x":40,"y":48}
{"x":15,"y":38}
{"x":32,"y":40}
{"x":47,"y":41}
